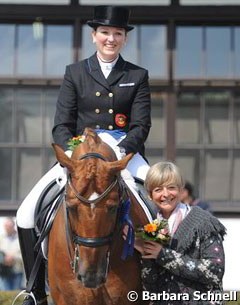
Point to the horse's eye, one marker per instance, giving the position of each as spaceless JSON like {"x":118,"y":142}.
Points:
{"x":112,"y":209}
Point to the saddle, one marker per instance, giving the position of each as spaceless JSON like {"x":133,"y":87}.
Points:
{"x":150,"y":206}
{"x":46,"y":209}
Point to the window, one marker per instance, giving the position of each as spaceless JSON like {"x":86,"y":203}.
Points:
{"x":209,"y":2}
{"x":7,"y":34}
{"x":236,"y":66}
{"x":125,"y":2}
{"x":157,"y":135}
{"x":54,"y":2}
{"x":217,"y":115}
{"x":207,"y":52}
{"x":6,"y":173}
{"x":35,"y":49}
{"x":236,"y":120}
{"x":25,"y":139}
{"x":188,"y":119}
{"x":152,"y":50}
{"x":58,"y":49}
{"x":207,"y":152}
{"x":218,"y":51}
{"x":189,"y":52}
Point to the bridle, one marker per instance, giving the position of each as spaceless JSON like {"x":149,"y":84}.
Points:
{"x":104,"y":194}
{"x":88,"y":241}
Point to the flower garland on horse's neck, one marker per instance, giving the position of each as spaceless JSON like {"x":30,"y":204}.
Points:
{"x":75,"y":141}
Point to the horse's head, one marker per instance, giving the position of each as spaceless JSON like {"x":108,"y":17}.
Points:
{"x":93,"y":196}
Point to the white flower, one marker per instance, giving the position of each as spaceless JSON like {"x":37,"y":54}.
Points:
{"x":156,"y":222}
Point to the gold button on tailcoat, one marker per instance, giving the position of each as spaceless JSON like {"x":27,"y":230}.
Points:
{"x":88,"y":99}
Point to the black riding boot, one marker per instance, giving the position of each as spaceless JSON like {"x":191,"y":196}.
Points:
{"x":27,"y":241}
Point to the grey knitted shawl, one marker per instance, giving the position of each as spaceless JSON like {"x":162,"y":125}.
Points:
{"x":197,"y":223}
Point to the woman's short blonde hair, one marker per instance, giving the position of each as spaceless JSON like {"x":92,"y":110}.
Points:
{"x":163,"y":173}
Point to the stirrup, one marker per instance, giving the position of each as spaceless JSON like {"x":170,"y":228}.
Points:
{"x":29,"y":300}
{"x":30,"y":296}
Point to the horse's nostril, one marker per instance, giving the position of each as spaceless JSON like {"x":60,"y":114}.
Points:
{"x":79,"y":277}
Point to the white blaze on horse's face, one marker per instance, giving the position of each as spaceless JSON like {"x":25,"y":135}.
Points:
{"x":93,"y":197}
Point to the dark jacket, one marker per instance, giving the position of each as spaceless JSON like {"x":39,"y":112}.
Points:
{"x":194,"y":261}
{"x":87,"y":99}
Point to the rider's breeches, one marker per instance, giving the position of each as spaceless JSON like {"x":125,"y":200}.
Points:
{"x":137,"y":166}
{"x":25,"y":213}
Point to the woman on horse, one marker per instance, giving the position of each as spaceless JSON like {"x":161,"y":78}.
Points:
{"x":103,"y":92}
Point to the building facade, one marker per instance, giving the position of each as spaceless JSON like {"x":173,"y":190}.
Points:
{"x":192,"y":51}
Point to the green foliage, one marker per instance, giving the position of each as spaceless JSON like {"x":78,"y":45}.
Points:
{"x":7,"y":297}
{"x":75,"y":141}
{"x":234,"y":302}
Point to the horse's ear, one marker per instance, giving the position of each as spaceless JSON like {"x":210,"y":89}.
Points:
{"x":62,"y":158}
{"x":119,"y":165}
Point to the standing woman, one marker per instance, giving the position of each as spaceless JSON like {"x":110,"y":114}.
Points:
{"x":190,"y":269}
{"x":103,"y":92}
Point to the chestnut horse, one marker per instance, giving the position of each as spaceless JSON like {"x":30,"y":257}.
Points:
{"x":85,"y":242}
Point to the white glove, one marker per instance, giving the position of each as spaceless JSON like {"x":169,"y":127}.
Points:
{"x":68,"y":153}
{"x":125,"y":173}
{"x":120,"y":152}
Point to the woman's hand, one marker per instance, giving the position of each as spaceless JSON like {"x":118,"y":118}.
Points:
{"x":151,"y":249}
{"x":139,"y":245}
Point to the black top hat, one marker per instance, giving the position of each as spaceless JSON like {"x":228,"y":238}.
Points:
{"x":116,"y":16}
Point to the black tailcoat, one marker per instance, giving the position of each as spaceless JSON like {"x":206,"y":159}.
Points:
{"x":87,"y":99}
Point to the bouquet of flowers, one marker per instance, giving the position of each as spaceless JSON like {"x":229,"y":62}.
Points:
{"x":157,"y":231}
{"x":75,"y":141}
